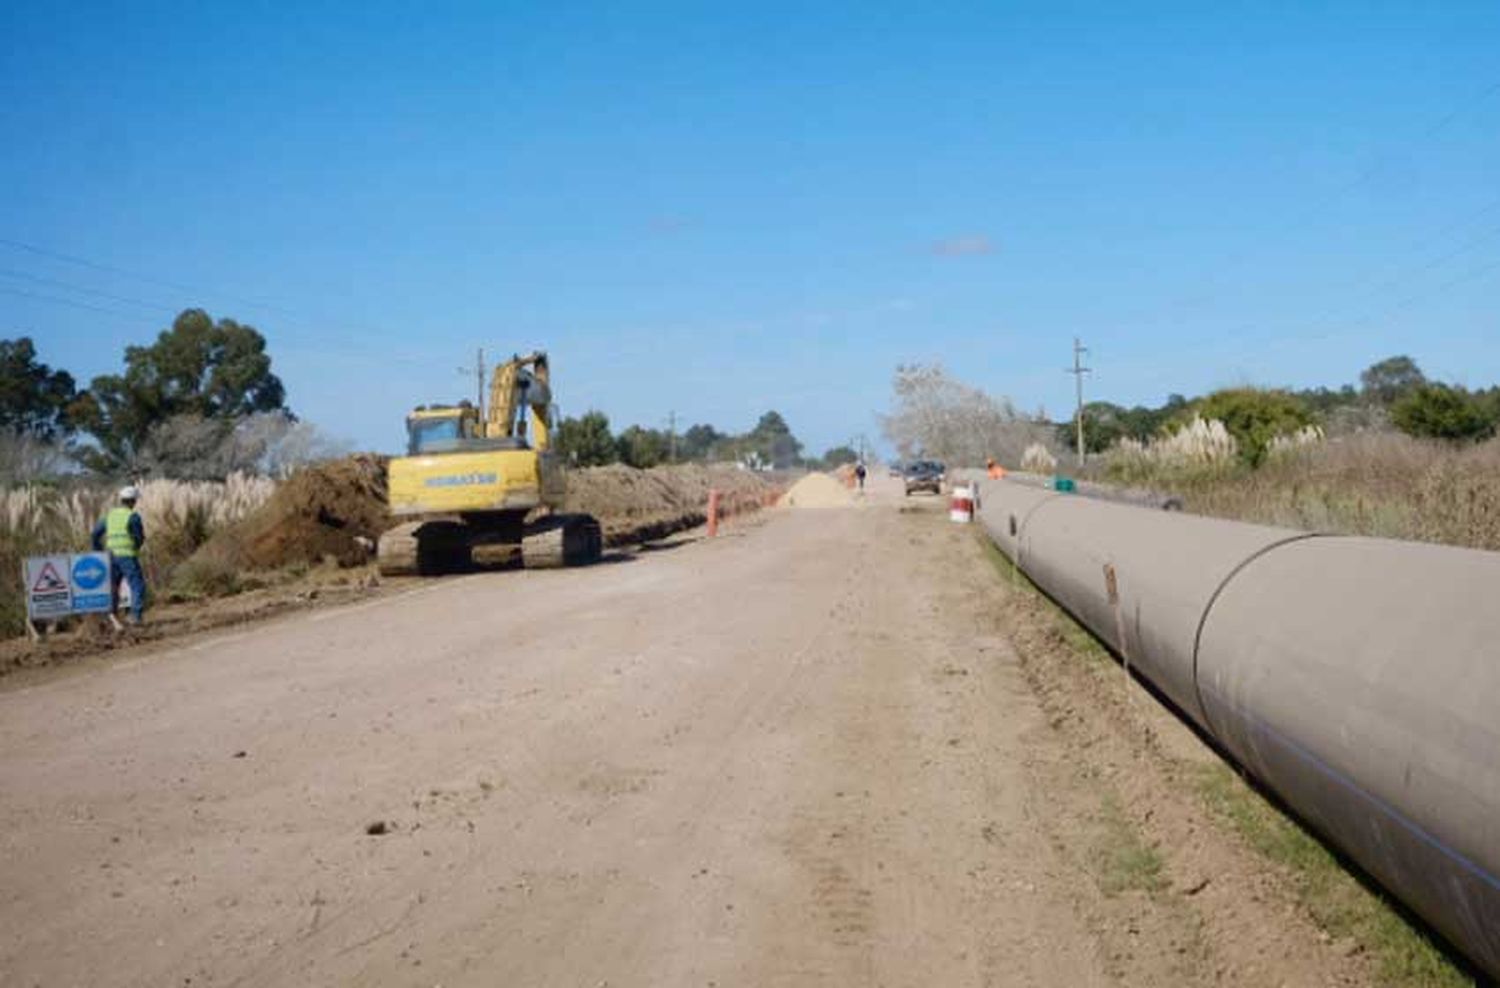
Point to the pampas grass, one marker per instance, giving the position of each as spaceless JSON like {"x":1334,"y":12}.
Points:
{"x":178,"y":515}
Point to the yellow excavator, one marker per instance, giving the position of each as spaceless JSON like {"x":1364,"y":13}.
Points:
{"x":480,"y":490}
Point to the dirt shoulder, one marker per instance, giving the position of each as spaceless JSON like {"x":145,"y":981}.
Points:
{"x":91,"y":645}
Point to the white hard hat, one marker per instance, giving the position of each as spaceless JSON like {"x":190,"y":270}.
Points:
{"x":130,"y":492}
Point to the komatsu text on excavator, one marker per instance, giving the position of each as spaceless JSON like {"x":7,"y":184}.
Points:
{"x":484,"y":489}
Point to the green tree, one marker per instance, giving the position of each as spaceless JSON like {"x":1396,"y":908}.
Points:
{"x":1105,"y":424}
{"x":1253,"y":416}
{"x":1437,"y":411}
{"x":35,"y":400}
{"x":772,"y":438}
{"x":698,"y":442}
{"x":838,"y":456}
{"x":1325,"y":401}
{"x":1387,"y":381}
{"x":642,"y":448}
{"x":218,"y":371}
{"x":586,"y":440}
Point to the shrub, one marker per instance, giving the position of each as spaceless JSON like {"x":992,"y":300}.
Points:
{"x":1437,"y":411}
{"x":205,"y":576}
{"x":1252,"y":416}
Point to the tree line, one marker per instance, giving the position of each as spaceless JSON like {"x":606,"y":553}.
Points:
{"x":587,"y":441}
{"x":1393,"y":393}
{"x":202,"y":401}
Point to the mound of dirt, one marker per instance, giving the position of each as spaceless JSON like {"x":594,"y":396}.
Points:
{"x":326,"y":510}
{"x":320,"y":511}
{"x":816,"y":490}
{"x":639,"y":505}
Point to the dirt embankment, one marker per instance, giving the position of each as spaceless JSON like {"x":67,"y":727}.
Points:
{"x":320,"y":512}
{"x":338,"y":510}
{"x":641,"y":505}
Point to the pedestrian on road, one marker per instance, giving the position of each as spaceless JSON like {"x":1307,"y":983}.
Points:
{"x":122,"y":533}
{"x":859,"y":473}
{"x":995,"y":470}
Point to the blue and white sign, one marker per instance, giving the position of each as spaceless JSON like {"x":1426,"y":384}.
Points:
{"x":90,"y":578}
{"x":62,"y":584}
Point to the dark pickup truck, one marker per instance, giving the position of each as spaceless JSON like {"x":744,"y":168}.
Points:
{"x":924,"y":475}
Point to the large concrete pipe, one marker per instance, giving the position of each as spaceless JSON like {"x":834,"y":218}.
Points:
{"x":1167,"y":569}
{"x":1003,"y":509}
{"x":1359,"y":679}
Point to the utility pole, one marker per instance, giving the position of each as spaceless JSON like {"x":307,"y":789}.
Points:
{"x":1078,"y":370}
{"x":478,"y":371}
{"x":672,"y":437}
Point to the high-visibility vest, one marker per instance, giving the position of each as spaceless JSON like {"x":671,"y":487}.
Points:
{"x":117,"y":537}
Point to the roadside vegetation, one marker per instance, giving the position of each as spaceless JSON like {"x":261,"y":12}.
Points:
{"x":1124,"y":860}
{"x":1400,"y":456}
{"x":1381,"y":484}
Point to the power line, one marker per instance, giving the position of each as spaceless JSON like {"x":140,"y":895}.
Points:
{"x":69,"y":286}
{"x":349,"y":335}
{"x":134,"y":275}
{"x":1329,"y":201}
{"x":66,"y":301}
{"x":1398,"y":281}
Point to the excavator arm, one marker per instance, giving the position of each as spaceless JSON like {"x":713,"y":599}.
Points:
{"x":520,"y":397}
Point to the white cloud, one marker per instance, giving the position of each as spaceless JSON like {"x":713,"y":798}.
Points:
{"x":964,"y":246}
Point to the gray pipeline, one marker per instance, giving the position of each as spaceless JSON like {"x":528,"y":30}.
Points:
{"x":1356,"y":678}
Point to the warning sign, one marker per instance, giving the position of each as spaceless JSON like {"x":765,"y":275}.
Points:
{"x":48,"y":594}
{"x":49,"y":581}
{"x":57,"y":586}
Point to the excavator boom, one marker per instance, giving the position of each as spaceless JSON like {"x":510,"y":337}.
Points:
{"x":521,"y":400}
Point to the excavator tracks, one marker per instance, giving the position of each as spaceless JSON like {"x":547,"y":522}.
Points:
{"x":424,"y":548}
{"x":562,"y":540}
{"x":430,"y":548}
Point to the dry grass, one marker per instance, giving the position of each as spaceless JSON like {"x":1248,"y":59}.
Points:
{"x":1380,"y":484}
{"x":1198,"y":449}
{"x":1038,"y":459}
{"x":179,"y":516}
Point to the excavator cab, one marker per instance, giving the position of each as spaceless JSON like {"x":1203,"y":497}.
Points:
{"x":441,"y":428}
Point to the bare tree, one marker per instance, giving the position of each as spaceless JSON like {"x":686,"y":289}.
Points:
{"x":25,"y":457}
{"x":191,"y":447}
{"x":936,"y":415}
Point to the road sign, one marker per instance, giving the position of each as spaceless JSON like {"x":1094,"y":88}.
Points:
{"x":89,"y":576}
{"x":63,"y":584}
{"x":49,"y":595}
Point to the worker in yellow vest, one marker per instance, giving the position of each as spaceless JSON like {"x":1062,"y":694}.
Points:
{"x":122,"y":533}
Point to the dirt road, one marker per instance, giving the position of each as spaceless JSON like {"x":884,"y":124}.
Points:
{"x":799,"y":754}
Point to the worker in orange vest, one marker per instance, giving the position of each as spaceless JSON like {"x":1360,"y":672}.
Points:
{"x":996,"y":471}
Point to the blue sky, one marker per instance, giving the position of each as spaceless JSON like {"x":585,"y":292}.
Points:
{"x":718,"y":209}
